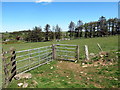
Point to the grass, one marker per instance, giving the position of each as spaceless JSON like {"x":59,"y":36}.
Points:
{"x":107,"y":44}
{"x":62,"y":76}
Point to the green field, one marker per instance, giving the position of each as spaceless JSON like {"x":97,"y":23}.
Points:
{"x":70,"y":74}
{"x":107,"y":43}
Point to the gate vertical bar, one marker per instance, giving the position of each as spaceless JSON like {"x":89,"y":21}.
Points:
{"x":54,"y":51}
{"x":39,"y":56}
{"x":29,"y":58}
{"x":78,"y":52}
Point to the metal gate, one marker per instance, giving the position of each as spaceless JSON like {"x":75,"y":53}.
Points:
{"x":15,"y":62}
{"x":67,"y":52}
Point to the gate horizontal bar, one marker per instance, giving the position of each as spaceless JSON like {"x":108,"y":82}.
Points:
{"x":64,"y":45}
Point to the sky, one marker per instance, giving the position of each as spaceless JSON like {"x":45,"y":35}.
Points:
{"x":17,"y":16}
{"x":61,"y":0}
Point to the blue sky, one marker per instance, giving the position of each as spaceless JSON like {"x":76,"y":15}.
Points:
{"x":18,"y":16}
{"x":62,"y":0}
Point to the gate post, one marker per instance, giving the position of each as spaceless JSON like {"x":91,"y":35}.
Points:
{"x":54,"y":51}
{"x":13,"y":63}
{"x":86,"y":52}
{"x":78,"y":52}
{"x":6,"y":77}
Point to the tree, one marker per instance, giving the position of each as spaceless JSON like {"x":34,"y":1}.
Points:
{"x":94,"y":29}
{"x":90,"y":29}
{"x":54,"y":36}
{"x":86,"y":30}
{"x":79,"y":28}
{"x":35,"y":35}
{"x":47,"y":32}
{"x":103,"y":26}
{"x":71,"y":29}
{"x":109,"y":26}
{"x":58,"y":32}
{"x":116,"y":26}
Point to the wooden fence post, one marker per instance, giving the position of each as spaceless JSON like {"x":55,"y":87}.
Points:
{"x":86,"y":52}
{"x":78,"y":52}
{"x":5,"y":82}
{"x":99,"y":46}
{"x":54,"y":51}
{"x":13,"y":64}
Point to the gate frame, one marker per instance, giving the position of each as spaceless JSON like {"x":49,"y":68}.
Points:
{"x":55,"y":48}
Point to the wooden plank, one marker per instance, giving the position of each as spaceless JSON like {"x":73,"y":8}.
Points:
{"x":12,"y":75}
{"x":13,"y":64}
{"x":12,"y":67}
{"x":7,"y":64}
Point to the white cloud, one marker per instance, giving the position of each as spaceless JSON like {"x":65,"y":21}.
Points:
{"x":39,"y":1}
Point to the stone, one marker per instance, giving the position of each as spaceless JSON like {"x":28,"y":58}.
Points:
{"x":103,"y":53}
{"x":101,"y":56}
{"x":83,"y":63}
{"x":81,"y":72}
{"x":69,"y":82}
{"x":22,"y":76}
{"x":25,"y":85}
{"x":85,"y":73}
{"x":76,"y":61}
{"x":60,"y":61}
{"x":51,"y":67}
{"x":34,"y":83}
{"x":95,"y":65}
{"x":20,"y":84}
{"x":91,"y":54}
{"x":84,"y":66}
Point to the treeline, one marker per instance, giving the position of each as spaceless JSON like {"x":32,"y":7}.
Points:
{"x":37,"y":35}
{"x":99,"y":28}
